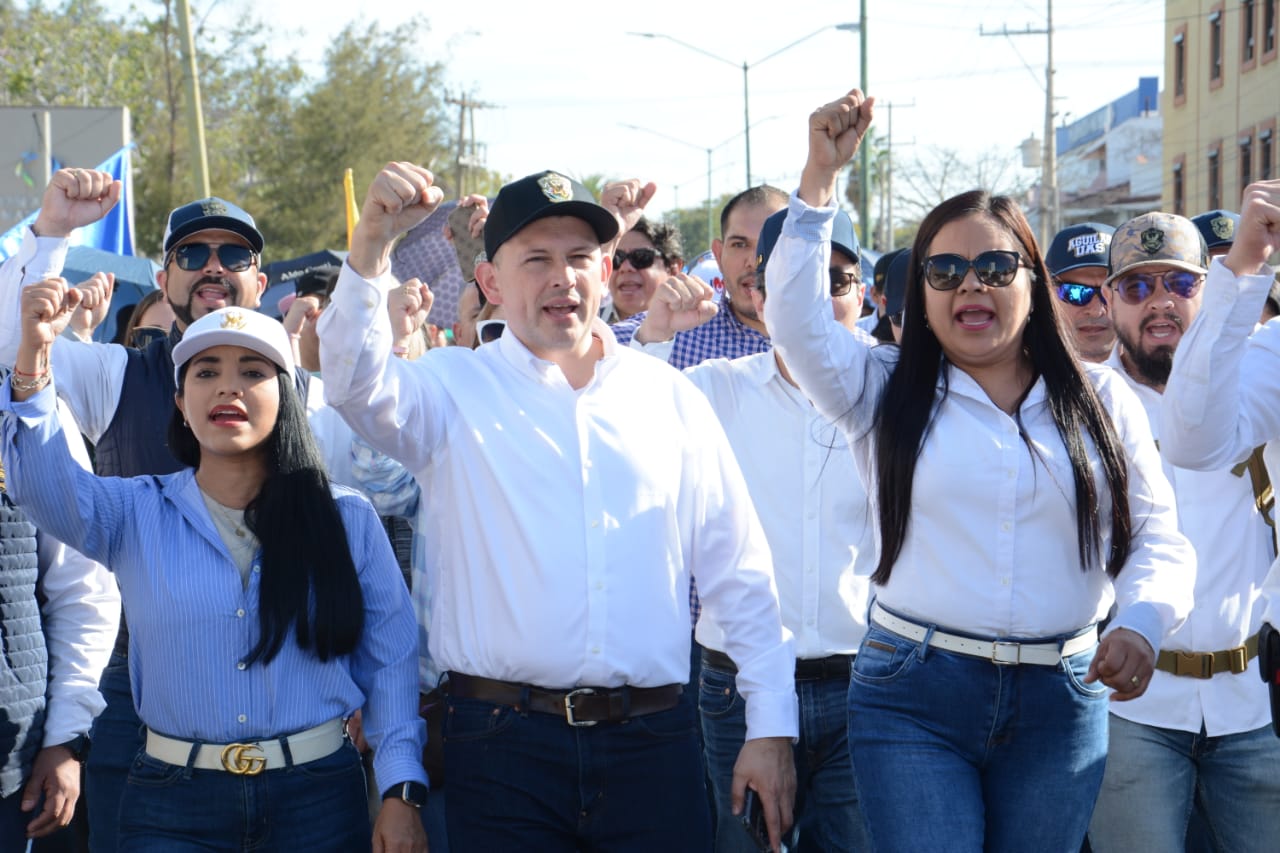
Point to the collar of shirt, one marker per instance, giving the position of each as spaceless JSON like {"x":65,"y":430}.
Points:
{"x":519,"y":356}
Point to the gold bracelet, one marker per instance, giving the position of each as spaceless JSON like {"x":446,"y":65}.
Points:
{"x":27,"y":385}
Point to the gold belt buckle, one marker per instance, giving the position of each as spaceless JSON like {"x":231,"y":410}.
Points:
{"x":243,"y":759}
{"x":1238,"y":659}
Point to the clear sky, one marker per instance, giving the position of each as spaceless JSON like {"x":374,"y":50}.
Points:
{"x":564,"y":77}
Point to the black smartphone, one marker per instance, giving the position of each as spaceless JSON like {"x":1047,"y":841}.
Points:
{"x":753,"y":822}
{"x":1269,"y":669}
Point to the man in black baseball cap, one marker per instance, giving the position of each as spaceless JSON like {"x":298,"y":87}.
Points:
{"x":1218,"y":228}
{"x":1077,"y":262}
{"x":577,"y":486}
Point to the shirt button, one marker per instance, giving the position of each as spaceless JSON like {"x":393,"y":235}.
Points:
{"x":599,"y":584}
{"x":256,"y":568}
{"x":586,"y":463}
{"x":1012,"y":473}
{"x":1005,"y":581}
{"x":595,"y":650}
{"x":595,"y":524}
{"x":240,"y":613}
{"x":242,"y":718}
{"x":240,"y":665}
{"x":1005,"y":527}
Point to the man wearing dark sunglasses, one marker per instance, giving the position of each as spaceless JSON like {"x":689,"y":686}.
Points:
{"x":122,"y":398}
{"x":1198,"y":737}
{"x":1077,"y":262}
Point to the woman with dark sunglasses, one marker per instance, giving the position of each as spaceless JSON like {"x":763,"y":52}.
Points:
{"x":1018,"y":496}
{"x":640,"y":264}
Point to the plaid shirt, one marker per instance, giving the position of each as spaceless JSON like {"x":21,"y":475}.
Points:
{"x":723,"y":336}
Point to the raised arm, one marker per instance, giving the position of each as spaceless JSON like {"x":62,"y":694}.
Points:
{"x":1223,"y":395}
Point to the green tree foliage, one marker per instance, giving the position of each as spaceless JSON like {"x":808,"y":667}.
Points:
{"x":277,"y":142}
{"x":692,"y":222}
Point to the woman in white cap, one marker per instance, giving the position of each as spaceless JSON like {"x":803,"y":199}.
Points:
{"x":265,"y":607}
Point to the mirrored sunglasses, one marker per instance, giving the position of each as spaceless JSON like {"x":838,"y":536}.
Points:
{"x":995,"y":268}
{"x":194,"y":256}
{"x":1135,"y":287}
{"x":488,"y":331}
{"x":641,"y":259}
{"x":1077,"y":294}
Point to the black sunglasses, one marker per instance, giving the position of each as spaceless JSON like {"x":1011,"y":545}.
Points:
{"x":995,"y":268}
{"x":194,"y":256}
{"x":1077,"y":294}
{"x":1135,"y":287}
{"x":641,"y":259}
{"x":842,"y":282}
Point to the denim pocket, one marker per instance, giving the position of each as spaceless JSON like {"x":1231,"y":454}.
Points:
{"x":342,"y":761}
{"x":154,"y":773}
{"x":882,"y":657}
{"x":471,"y":719}
{"x":717,"y":693}
{"x":1077,"y":667}
{"x":678,"y":722}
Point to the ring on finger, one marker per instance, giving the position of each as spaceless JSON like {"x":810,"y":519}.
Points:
{"x":1134,"y":681}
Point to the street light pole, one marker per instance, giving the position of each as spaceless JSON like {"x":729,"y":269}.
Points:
{"x":864,"y":182}
{"x":747,"y":66}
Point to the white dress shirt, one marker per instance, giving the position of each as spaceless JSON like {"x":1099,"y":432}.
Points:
{"x":1217,"y":513}
{"x":566,"y":524}
{"x":1223,"y":396}
{"x":991,"y":545}
{"x":810,"y":501}
{"x":79,"y":613}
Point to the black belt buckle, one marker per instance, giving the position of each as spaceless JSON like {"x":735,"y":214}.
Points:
{"x":568,"y":707}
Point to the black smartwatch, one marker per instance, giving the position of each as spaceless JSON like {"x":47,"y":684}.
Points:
{"x":411,"y":793}
{"x":78,"y":746}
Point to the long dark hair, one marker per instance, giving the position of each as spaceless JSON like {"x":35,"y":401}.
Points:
{"x":308,"y":580}
{"x":910,"y":399}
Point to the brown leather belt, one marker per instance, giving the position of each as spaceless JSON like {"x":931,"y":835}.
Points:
{"x":1205,"y":664}
{"x":807,"y":669}
{"x":581,"y":706}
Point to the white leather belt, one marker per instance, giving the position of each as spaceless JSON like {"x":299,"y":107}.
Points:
{"x":1000,"y":652}
{"x":250,"y":758}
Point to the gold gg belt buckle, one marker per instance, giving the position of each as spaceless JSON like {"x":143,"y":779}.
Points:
{"x":243,"y":759}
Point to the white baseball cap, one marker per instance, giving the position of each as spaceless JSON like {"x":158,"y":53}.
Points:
{"x":240,"y":327}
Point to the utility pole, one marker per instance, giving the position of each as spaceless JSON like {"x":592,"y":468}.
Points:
{"x":466,"y":110}
{"x":1049,"y":212}
{"x":864,"y":172}
{"x":886,"y":181}
{"x":195,"y":114}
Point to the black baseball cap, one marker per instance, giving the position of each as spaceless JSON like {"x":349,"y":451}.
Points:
{"x":208,"y":214}
{"x":895,"y":282}
{"x":1218,"y":227}
{"x":1085,"y":245}
{"x":538,"y":196}
{"x":842,"y":238}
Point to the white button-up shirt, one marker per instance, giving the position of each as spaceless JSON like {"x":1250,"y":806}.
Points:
{"x":809,"y":499}
{"x":566,"y":525}
{"x":1223,"y":396}
{"x":1217,"y":512}
{"x":991,"y":547}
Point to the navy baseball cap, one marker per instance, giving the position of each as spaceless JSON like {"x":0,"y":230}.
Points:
{"x":842,"y":238}
{"x":538,"y":196}
{"x":1085,"y":245}
{"x":208,"y":214}
{"x":1218,"y":227}
{"x":895,"y":282}
{"x":882,"y":267}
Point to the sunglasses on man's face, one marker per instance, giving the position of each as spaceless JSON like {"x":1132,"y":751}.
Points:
{"x":488,"y":331}
{"x":194,"y":256}
{"x":1135,"y":287}
{"x":641,"y":259}
{"x":841,"y":282}
{"x":995,"y":268}
{"x":1077,"y":294}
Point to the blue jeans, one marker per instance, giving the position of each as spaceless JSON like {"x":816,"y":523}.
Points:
{"x":827,"y":818}
{"x":117,"y":740}
{"x":1155,"y":775}
{"x":955,"y":753}
{"x":529,"y":781}
{"x":317,"y":806}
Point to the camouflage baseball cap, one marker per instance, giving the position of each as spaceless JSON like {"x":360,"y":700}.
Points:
{"x":1157,"y":238}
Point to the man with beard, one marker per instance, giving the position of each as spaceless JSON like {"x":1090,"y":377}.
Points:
{"x":1199,"y":735}
{"x":1077,"y":261}
{"x":122,"y":397}
{"x":736,"y":330}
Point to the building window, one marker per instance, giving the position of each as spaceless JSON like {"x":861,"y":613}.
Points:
{"x":1215,"y":47}
{"x":1246,"y":162}
{"x":1180,"y":66}
{"x":1248,"y":35}
{"x":1270,"y":10}
{"x":1266,"y":155}
{"x":1215,"y":178}
{"x":1179,"y":190}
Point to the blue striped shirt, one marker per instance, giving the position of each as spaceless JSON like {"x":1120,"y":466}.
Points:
{"x":191,"y":619}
